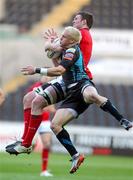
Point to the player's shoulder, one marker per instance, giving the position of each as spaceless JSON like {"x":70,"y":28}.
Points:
{"x":85,"y":32}
{"x":71,"y":50}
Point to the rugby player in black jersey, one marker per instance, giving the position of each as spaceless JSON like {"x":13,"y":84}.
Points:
{"x":80,"y":93}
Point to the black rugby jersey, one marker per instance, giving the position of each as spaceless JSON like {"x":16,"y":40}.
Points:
{"x":72,"y":61}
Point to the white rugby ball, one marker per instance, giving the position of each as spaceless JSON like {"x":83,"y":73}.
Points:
{"x":55,"y":52}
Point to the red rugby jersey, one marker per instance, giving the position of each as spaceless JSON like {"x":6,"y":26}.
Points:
{"x":86,"y":48}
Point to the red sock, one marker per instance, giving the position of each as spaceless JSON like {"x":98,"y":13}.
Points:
{"x":27,"y":115}
{"x":33,"y":126}
{"x":45,"y":154}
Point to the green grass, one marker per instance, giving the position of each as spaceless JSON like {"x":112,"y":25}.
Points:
{"x":27,"y":167}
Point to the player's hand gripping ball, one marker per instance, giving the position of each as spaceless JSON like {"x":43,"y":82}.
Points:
{"x":53,"y":49}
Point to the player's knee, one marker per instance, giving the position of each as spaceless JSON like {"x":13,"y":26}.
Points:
{"x":38,"y":103}
{"x":90,"y":97}
{"x":54,"y":127}
{"x":87,"y":97}
{"x":46,"y":144}
{"x":26,"y":101}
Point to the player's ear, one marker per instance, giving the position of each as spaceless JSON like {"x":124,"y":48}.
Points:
{"x":84,"y":22}
{"x":72,"y":41}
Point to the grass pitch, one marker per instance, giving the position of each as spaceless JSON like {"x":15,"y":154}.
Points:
{"x":27,"y":167}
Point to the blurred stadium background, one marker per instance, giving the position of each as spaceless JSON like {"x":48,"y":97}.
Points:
{"x":21,"y":25}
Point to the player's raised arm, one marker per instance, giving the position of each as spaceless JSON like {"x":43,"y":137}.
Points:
{"x":50,"y":34}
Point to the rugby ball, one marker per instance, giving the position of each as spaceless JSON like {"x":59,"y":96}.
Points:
{"x":53,"y":54}
{"x":55,"y":50}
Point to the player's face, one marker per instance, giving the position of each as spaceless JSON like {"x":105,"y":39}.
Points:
{"x":77,"y":22}
{"x":65,"y":40}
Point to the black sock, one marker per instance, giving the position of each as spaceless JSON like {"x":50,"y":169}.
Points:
{"x":64,"y":139}
{"x":109,"y":107}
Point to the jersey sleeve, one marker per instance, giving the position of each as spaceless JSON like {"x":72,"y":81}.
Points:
{"x":86,"y":45}
{"x":68,"y":58}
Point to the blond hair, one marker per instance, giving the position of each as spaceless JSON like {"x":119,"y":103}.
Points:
{"x":73,"y":33}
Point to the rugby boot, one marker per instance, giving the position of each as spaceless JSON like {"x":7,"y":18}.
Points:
{"x":126,"y":124}
{"x":19,"y":149}
{"x":46,"y":173}
{"x":76,"y":162}
{"x":13,"y":144}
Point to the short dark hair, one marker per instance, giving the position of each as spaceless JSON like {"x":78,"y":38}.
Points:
{"x":87,"y":16}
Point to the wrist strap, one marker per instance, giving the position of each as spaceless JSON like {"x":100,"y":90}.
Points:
{"x":42,"y":71}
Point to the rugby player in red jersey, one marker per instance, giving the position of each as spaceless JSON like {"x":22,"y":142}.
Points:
{"x":83,"y":21}
{"x":44,"y":129}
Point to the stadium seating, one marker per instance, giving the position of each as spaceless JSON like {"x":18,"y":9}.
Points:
{"x":12,"y":109}
{"x":25,"y":13}
{"x":107,"y":14}
{"x":111,"y":13}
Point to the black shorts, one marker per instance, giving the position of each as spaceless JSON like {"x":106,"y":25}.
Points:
{"x":74,"y":98}
{"x":54,"y":91}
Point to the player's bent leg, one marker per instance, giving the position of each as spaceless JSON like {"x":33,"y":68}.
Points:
{"x":61,"y":118}
{"x":90,"y":94}
{"x":38,"y":103}
{"x":46,"y":137}
{"x":28,"y":98}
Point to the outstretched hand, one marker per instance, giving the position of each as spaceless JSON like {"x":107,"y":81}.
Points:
{"x":29,"y":70}
{"x":50,"y":35}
